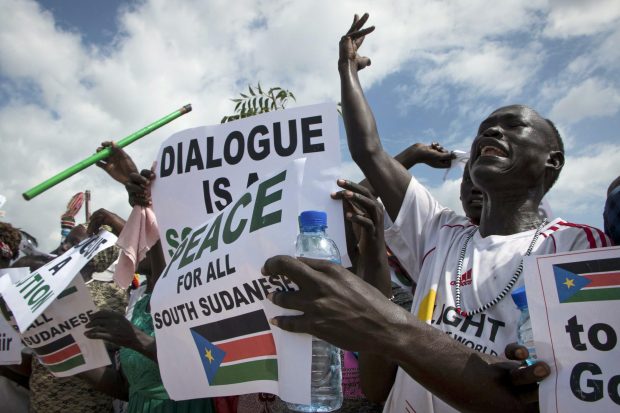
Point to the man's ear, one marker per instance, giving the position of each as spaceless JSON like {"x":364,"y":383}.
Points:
{"x":555,"y":160}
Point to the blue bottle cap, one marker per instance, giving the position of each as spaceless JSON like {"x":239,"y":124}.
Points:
{"x":519,"y":297}
{"x":313,"y":219}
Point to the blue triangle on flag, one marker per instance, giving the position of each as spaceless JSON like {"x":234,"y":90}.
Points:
{"x":568,"y":283}
{"x":210,"y":355}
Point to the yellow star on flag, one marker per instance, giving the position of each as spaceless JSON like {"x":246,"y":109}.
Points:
{"x":569,"y":282}
{"x":209,"y":356}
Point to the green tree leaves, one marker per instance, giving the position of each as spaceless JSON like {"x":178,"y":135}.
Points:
{"x":259,"y":101}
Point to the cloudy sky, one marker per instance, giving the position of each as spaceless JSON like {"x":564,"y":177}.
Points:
{"x":75,"y":73}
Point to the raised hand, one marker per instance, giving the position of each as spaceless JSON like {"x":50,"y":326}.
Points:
{"x":433,"y":155}
{"x":139,"y":188}
{"x":104,"y":217}
{"x":366,"y":215}
{"x":118,"y":165}
{"x":352,"y":41}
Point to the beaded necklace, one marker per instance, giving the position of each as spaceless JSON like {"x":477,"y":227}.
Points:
{"x":502,"y":294}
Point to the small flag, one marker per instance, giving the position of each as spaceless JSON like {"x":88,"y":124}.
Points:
{"x":237,"y":350}
{"x":596,"y":280}
{"x":60,"y":355}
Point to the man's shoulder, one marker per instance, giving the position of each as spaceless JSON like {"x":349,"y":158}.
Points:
{"x":566,"y":236}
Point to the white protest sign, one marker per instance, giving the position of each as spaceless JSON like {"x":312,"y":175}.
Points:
{"x":202,"y":170}
{"x":209,"y":306}
{"x":57,"y":336}
{"x":574,"y":302}
{"x":10,"y":342}
{"x":30,"y":296}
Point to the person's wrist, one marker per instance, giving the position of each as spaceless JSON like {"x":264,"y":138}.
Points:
{"x":413,"y":156}
{"x":396,"y":331}
{"x":344,"y":64}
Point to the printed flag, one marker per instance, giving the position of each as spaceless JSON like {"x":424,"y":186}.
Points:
{"x":237,"y":350}
{"x":596,"y":280}
{"x":60,"y":355}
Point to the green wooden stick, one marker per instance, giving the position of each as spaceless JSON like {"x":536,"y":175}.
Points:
{"x":96,"y":157}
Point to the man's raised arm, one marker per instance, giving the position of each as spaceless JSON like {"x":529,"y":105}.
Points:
{"x":384,"y":173}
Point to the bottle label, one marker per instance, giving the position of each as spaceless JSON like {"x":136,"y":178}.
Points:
{"x":351,"y":386}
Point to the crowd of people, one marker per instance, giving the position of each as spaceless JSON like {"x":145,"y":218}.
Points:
{"x":399,"y":307}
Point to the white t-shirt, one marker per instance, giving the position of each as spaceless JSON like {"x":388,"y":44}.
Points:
{"x":427,"y":239}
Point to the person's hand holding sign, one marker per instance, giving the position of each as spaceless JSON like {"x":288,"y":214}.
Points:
{"x":118,"y":165}
{"x":342,"y":309}
{"x":139,"y":188}
{"x":524,"y":376}
{"x":114,"y":328}
{"x":338,"y":307}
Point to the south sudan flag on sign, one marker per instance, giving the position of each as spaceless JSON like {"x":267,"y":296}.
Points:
{"x":60,"y":355}
{"x":596,"y":280}
{"x":237,"y":350}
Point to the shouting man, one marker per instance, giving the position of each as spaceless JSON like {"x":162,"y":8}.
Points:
{"x":448,"y":351}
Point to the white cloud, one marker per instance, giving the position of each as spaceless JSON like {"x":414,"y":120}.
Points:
{"x":577,"y":17}
{"x":494,"y":69}
{"x":592,"y":98}
{"x":448,"y":193}
{"x":349,"y":170}
{"x":62,"y":97}
{"x":580,"y":192}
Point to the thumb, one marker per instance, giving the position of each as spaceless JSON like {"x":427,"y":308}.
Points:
{"x":102,"y":165}
{"x":362,"y":62}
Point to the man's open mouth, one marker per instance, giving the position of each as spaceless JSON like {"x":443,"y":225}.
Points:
{"x":493,"y":151}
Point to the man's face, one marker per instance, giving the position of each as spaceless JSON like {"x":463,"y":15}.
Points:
{"x":510,"y":151}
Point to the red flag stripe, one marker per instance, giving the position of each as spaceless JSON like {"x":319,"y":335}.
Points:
{"x":245,"y":348}
{"x":603,"y":280}
{"x":61,"y":355}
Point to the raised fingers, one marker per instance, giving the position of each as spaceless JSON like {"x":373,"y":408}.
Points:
{"x":361,"y":220}
{"x":358,"y":23}
{"x":353,"y":186}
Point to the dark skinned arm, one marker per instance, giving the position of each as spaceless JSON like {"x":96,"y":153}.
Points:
{"x":104,"y":217}
{"x":107,"y":380}
{"x":158,"y":264}
{"x":433,"y":155}
{"x":377,"y":373}
{"x":362,"y":135}
{"x":356,"y":316}
{"x":114,"y":328}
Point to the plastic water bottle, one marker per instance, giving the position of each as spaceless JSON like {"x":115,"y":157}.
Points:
{"x":326,"y":373}
{"x":525,"y":337}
